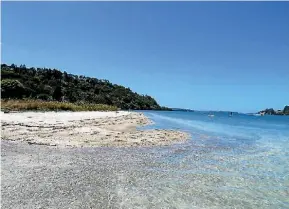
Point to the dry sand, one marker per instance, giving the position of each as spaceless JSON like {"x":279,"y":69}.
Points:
{"x":85,"y":129}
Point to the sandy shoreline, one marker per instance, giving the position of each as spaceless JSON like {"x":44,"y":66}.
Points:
{"x":85,"y":129}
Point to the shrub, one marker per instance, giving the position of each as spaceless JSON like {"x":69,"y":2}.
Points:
{"x":27,"y":104}
{"x":44,"y":97}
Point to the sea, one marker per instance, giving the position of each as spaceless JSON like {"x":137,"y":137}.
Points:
{"x":228,"y":162}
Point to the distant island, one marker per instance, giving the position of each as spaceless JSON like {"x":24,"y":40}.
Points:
{"x":20,"y":82}
{"x":271,"y":111}
{"x":182,"y":109}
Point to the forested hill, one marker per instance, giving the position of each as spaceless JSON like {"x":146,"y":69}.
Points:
{"x":51,"y":84}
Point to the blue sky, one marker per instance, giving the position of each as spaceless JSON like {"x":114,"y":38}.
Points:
{"x":199,"y":55}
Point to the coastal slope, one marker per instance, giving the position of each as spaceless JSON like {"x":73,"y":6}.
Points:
{"x":21,"y":82}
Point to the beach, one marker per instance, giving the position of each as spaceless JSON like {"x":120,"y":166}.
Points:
{"x":85,"y":129}
{"x":223,"y":165}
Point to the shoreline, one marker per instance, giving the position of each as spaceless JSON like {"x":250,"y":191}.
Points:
{"x":86,"y":129}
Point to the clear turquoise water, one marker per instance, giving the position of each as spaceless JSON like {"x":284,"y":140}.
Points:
{"x":229,"y":162}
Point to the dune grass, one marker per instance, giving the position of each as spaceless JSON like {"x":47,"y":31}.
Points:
{"x":30,"y":105}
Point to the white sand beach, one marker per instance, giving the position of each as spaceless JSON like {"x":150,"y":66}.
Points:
{"x":85,"y":129}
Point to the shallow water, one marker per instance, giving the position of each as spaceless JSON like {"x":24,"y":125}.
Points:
{"x":230,"y":162}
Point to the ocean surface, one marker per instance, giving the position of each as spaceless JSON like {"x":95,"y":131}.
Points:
{"x":229,"y":162}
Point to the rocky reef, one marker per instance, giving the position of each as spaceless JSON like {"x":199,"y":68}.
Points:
{"x":271,"y":111}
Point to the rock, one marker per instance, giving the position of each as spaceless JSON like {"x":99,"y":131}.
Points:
{"x":267,"y":111}
{"x":286,"y":110}
{"x":40,"y":143}
{"x":271,"y":111}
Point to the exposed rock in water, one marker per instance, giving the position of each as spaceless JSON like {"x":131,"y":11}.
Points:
{"x":286,"y":110}
{"x":271,"y":111}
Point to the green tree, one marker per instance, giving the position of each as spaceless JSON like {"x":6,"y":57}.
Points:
{"x":57,"y":94}
{"x":12,"y":89}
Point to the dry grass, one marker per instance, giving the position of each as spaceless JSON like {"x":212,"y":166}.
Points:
{"x":25,"y":105}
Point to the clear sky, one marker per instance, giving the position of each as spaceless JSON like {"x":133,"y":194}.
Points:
{"x":199,"y":55}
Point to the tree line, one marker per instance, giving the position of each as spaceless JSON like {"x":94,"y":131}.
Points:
{"x":18,"y":82}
